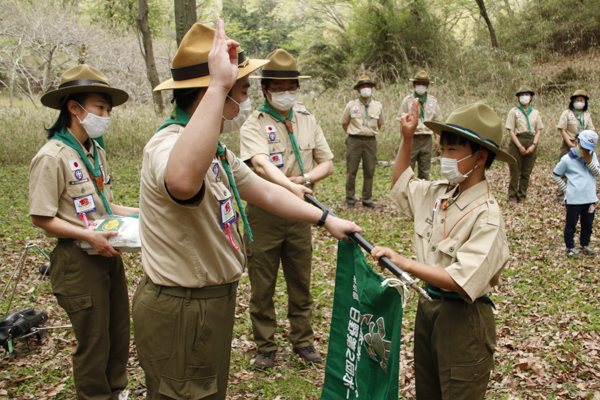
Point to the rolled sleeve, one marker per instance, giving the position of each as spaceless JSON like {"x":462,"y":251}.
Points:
{"x":46,"y":184}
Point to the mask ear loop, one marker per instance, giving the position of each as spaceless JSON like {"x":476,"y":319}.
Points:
{"x":470,"y":174}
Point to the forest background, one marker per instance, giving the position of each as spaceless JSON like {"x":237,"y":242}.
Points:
{"x":474,"y":50}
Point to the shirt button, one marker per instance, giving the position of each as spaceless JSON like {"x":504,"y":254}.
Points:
{"x":491,"y":201}
{"x":82,"y":302}
{"x":428,"y":233}
{"x":442,"y":221}
{"x":433,"y":248}
{"x":451,"y":249}
{"x":224,"y":193}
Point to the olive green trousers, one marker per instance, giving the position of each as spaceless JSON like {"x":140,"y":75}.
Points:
{"x":421,"y":153}
{"x":357,"y":148}
{"x":520,"y":172}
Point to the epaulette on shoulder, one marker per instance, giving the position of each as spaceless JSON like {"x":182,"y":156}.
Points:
{"x":53,"y":147}
{"x":302,"y":111}
{"x":494,"y":215}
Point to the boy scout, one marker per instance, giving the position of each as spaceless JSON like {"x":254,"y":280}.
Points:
{"x":192,"y":250}
{"x":524,"y":125}
{"x":362,"y":119}
{"x":461,"y":251}
{"x":286,"y":146}
{"x":429,"y":110}
{"x":574,"y":120}
{"x":69,"y":186}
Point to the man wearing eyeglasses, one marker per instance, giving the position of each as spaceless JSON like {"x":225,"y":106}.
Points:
{"x":285,"y":145}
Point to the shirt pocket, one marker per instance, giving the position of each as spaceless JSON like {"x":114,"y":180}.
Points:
{"x":423,"y":229}
{"x":221,"y":193}
{"x":306,"y":145}
{"x":374,"y":121}
{"x":81,"y":189}
{"x":448,"y":248}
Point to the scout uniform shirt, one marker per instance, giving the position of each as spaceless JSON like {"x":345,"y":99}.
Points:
{"x":186,"y":245}
{"x":466,"y":237}
{"x":517,"y":121}
{"x":355,"y":116}
{"x":264,"y":134}
{"x":431,"y":111}
{"x":61,"y":186}
{"x":575,"y":124}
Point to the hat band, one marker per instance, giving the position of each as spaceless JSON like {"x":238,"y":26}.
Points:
{"x":474,"y":134}
{"x":198,"y":70}
{"x":81,"y":82}
{"x":280,"y":74}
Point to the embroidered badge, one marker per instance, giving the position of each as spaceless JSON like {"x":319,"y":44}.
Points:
{"x":215,"y":169}
{"x":270,"y":128}
{"x":518,"y":114}
{"x":84,"y":204}
{"x":227,"y":212}
{"x":355,"y":110}
{"x":276,"y":159}
{"x":75,"y":165}
{"x":78,"y":174}
{"x":272,"y":136}
{"x":571,"y":117}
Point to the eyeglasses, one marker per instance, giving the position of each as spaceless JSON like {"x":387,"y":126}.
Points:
{"x":281,"y":90}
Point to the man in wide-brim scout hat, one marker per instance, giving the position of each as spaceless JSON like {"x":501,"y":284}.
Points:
{"x":429,"y":110}
{"x":285,"y":145}
{"x":524,"y":125}
{"x":193,"y":255}
{"x":70,"y":185}
{"x":362,"y":119}
{"x":461,"y":250}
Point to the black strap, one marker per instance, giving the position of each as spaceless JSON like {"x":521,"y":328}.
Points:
{"x":280,"y":74}
{"x":323,"y":218}
{"x":198,"y":70}
{"x":82,"y":82}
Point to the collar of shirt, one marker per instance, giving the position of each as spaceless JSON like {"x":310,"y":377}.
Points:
{"x":472,"y":194}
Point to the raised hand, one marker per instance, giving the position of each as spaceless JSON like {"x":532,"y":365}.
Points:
{"x":223,"y":59}
{"x":410,"y":121}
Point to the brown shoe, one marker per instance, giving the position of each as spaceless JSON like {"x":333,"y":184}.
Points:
{"x":309,"y":354}
{"x":265,"y":360}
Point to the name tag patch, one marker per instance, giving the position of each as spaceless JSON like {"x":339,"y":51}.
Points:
{"x":227,"y":212}
{"x":84,"y":204}
{"x":79,"y":181}
{"x":276,"y":159}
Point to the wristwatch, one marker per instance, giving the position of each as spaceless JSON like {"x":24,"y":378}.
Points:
{"x":307,"y":179}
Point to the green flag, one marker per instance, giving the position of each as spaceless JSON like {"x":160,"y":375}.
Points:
{"x":364,"y":343}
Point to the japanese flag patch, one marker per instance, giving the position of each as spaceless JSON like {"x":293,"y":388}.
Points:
{"x":270,"y":129}
{"x":75,"y":165}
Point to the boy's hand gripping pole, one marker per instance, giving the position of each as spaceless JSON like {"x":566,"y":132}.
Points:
{"x":384,"y":261}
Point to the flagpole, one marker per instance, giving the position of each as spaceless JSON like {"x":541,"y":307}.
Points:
{"x":365,"y":244}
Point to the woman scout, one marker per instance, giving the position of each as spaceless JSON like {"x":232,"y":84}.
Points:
{"x":192,"y":250}
{"x":429,"y":110}
{"x":524,"y":125}
{"x":362,"y":119}
{"x":69,"y":186}
{"x":574,"y":120}
{"x":461,"y":252}
{"x":285,"y":145}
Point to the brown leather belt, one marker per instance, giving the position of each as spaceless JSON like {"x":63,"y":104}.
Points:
{"x":206,"y":292}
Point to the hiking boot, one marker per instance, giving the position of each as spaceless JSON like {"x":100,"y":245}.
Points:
{"x":265,"y":360}
{"x":309,"y":354}
{"x":571,"y":253}
{"x":588,"y":251}
{"x":369,"y":204}
{"x":351,"y":205}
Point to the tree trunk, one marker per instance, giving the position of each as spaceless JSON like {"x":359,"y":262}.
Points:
{"x":185,"y":17}
{"x":510,"y":12}
{"x":151,"y":72}
{"x":484,"y":14}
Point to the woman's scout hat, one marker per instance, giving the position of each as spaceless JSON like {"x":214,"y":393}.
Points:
{"x":281,"y":66}
{"x":82,"y":79}
{"x":525,"y":89}
{"x":364,"y":79}
{"x":190,"y":64}
{"x":580,"y":93}
{"x":478,"y":123}
{"x":421,"y":76}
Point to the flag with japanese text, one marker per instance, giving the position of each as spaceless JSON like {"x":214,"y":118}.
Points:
{"x":364,"y":343}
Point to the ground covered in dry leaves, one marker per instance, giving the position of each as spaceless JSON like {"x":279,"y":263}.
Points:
{"x":547,"y":306}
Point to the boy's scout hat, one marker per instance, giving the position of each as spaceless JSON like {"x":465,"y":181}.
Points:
{"x":421,"y":76}
{"x":581,"y":93}
{"x":281,"y":66}
{"x":478,"y":123}
{"x":190,"y":64}
{"x":525,"y":89}
{"x":588,"y":140}
{"x":82,"y":79}
{"x":364,"y":79}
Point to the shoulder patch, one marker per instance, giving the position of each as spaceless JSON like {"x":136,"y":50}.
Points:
{"x":302,"y":111}
{"x":494,"y":215}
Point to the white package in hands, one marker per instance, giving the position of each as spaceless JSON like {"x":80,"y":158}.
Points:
{"x":128,"y":237}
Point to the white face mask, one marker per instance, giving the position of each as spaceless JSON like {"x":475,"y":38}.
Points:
{"x":578,"y":150}
{"x":94,"y":125}
{"x":450,"y":169}
{"x":579,"y":105}
{"x":420,"y":89}
{"x":525,"y":100}
{"x":365,"y":92}
{"x":285,"y":100}
{"x":232,"y":125}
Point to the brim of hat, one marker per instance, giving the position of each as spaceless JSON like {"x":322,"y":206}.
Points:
{"x":204,"y":81}
{"x":525,"y":91}
{"x":501,"y":155}
{"x":587,"y":145}
{"x":279,"y":79}
{"x":363,"y":82}
{"x":55,"y":98}
{"x":420,"y":80}
{"x":579,"y":95}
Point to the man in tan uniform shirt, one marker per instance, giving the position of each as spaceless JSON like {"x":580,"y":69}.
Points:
{"x":192,"y":249}
{"x":524,"y":125}
{"x":461,"y":252}
{"x":362,"y":119}
{"x":429,"y":110}
{"x":270,"y":141}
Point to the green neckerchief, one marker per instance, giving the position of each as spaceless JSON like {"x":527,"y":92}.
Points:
{"x":422,"y":104}
{"x":581,"y":120}
{"x":67,"y":138}
{"x":180,"y":117}
{"x":222,"y":154}
{"x":269,"y":110}
{"x":366,"y":108}
{"x":100,"y":141}
{"x":529,"y":110}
